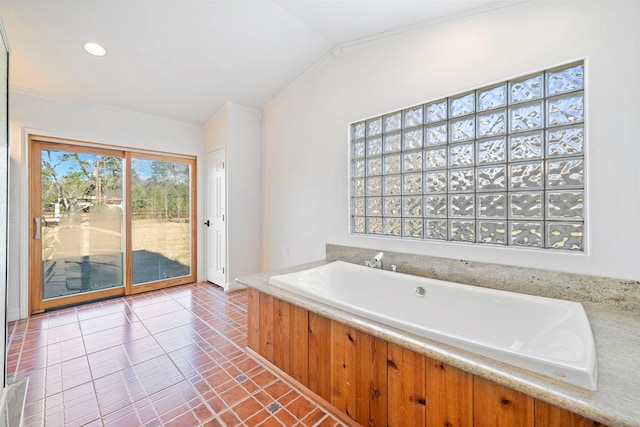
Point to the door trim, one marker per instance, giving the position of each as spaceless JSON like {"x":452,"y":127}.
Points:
{"x":36,"y":303}
{"x":130,"y":287}
{"x":209,"y":156}
{"x":27,"y":255}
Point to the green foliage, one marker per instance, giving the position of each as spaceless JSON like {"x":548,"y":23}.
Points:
{"x":162,"y":190}
{"x":159,"y":188}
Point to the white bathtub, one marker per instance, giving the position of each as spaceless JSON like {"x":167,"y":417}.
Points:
{"x":548,"y":336}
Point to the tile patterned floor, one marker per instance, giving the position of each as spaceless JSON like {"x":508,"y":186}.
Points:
{"x":166,"y":358}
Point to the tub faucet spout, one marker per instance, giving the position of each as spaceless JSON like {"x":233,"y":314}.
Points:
{"x":376,"y":262}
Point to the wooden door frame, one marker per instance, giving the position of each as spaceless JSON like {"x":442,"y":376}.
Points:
{"x":35,"y":303}
{"x":144,"y":287}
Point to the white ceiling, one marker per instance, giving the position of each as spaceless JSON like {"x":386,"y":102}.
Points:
{"x":182,"y":59}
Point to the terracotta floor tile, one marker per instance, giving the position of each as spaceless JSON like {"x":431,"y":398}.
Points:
{"x":116,"y":335}
{"x":271,"y":422}
{"x":176,"y":412}
{"x":163,"y":358}
{"x":231,"y":369}
{"x":101,"y":340}
{"x":142,"y":349}
{"x":176,"y":338}
{"x":76,"y":406}
{"x":157,"y":374}
{"x":328,"y":422}
{"x":202,"y":413}
{"x":91,"y":311}
{"x":114,"y":392}
{"x":264,"y":399}
{"x":201,"y":386}
{"x":301,"y":407}
{"x":263,"y":378}
{"x":285,"y":417}
{"x":159,"y":308}
{"x":108,"y":361}
{"x":129,"y":419}
{"x":108,"y":321}
{"x":146,"y":413}
{"x":63,"y":333}
{"x":247,"y":408}
{"x":289,"y":397}
{"x":246,"y":363}
{"x":250,"y":386}
{"x":67,"y":375}
{"x":219,"y":380}
{"x":314,"y":416}
{"x":229,"y":418}
{"x":212,"y":423}
{"x":256,"y":419}
{"x":218,"y":405}
{"x":65,"y":350}
{"x":186,"y":419}
{"x":33,"y":412}
{"x":234,"y":395}
{"x":277,"y":389}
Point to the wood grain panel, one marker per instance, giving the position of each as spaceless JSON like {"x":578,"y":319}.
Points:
{"x":498,"y":406}
{"x":371,"y":405}
{"x":299,"y":333}
{"x":548,"y":415}
{"x":343,"y":368}
{"x":319,"y":355}
{"x":406,"y":387}
{"x":253,"y":319}
{"x":266,"y":327}
{"x":281,"y":338}
{"x":449,"y":394}
{"x":381,"y":384}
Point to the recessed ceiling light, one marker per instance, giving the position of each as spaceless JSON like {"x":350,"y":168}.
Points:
{"x":94,"y":49}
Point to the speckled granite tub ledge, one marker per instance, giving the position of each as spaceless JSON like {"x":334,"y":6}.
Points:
{"x":613,"y":308}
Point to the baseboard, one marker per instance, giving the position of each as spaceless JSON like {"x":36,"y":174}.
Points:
{"x":235,"y":286}
{"x":13,"y":314}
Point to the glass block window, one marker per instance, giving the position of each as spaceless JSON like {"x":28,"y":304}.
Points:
{"x":500,"y":165}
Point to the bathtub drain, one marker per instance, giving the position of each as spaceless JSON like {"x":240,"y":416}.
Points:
{"x":420,"y":291}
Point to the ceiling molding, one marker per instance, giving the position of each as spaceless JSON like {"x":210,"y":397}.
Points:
{"x":59,"y":98}
{"x":341,"y":48}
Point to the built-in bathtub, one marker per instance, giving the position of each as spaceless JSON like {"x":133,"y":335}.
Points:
{"x":547,"y":336}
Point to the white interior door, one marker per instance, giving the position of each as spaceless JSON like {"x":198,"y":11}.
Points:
{"x":216,"y":215}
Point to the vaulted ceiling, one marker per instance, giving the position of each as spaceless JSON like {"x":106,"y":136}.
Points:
{"x":182,"y":59}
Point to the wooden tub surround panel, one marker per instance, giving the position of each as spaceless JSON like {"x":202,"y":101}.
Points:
{"x":450,"y":392}
{"x":376,"y":383}
{"x":494,"y":404}
{"x":320,"y":355}
{"x":406,"y":381}
{"x":371,"y":389}
{"x":344,"y":368}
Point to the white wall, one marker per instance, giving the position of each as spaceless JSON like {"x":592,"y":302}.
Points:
{"x":216,"y":131}
{"x":237,"y":128}
{"x":85,"y":122}
{"x":305,"y":128}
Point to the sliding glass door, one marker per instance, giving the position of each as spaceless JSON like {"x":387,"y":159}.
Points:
{"x":107,"y":222}
{"x":77,"y":224}
{"x":161,"y":221}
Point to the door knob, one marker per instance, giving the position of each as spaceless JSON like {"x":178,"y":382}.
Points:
{"x":38,"y":224}
{"x":207,"y":223}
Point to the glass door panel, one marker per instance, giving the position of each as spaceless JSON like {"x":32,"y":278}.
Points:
{"x":79,"y":230}
{"x":161,"y":225}
{"x":107,"y":222}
